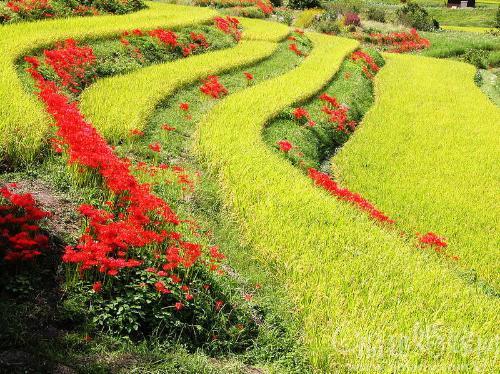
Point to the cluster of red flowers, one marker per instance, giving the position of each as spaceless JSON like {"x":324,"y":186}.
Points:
{"x":167,"y":38}
{"x":302,"y":114}
{"x":26,"y":7}
{"x":20,"y":234}
{"x":369,"y":65}
{"x":324,"y":180}
{"x":212,"y":87}
{"x":229,"y":25}
{"x":285,"y":146}
{"x":84,"y":10}
{"x":398,"y":42}
{"x":71,"y":63}
{"x":266,"y":8}
{"x":295,"y":49}
{"x":337,"y":113}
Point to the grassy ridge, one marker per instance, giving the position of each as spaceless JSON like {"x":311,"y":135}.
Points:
{"x":23,"y":123}
{"x":359,"y":288}
{"x":431,"y":171}
{"x":107,"y":103}
{"x":255,"y":29}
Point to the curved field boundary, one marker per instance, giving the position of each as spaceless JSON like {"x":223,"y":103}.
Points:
{"x":23,"y":122}
{"x":106,"y":103}
{"x":429,"y":158}
{"x":368,"y":300}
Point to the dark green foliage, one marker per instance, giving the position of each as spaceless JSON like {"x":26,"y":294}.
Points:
{"x":376,"y":14}
{"x":476,"y":57}
{"x":413,"y":15}
{"x":303,"y":4}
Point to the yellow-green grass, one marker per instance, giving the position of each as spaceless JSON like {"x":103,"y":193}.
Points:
{"x":427,"y":154}
{"x":255,"y":29}
{"x":23,"y":122}
{"x":306,"y":17}
{"x":369,"y":301}
{"x":467,"y":28}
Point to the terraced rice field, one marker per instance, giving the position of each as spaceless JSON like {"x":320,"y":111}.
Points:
{"x":165,"y":153}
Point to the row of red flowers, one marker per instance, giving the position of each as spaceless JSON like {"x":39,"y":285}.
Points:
{"x":396,"y":42}
{"x":338,"y":114}
{"x":135,"y":218}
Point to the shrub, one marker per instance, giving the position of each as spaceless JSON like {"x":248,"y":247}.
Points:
{"x":413,"y":15}
{"x":352,"y":19}
{"x":303,"y":4}
{"x":476,"y":57}
{"x":328,"y":27}
{"x":284,"y":16}
{"x":376,"y":14}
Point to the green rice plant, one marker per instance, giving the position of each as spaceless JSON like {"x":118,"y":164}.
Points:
{"x":115,"y":109}
{"x":23,"y":122}
{"x":369,"y":301}
{"x":427,"y":154}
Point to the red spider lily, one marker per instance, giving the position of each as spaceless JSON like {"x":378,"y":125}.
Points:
{"x":199,"y":39}
{"x":330,"y":100}
{"x":299,"y":31}
{"x":167,"y":127}
{"x":266,"y":8}
{"x":179,"y":305}
{"x":292,"y":38}
{"x":136,"y":132}
{"x":219,"y":304}
{"x":212,"y":87}
{"x":248,"y":297}
{"x":324,"y":180}
{"x":228,"y":25}
{"x":155,"y":147}
{"x":367,"y":59}
{"x":293,"y":47}
{"x":160,"y":287}
{"x":71,"y":63}
{"x":184,"y":106}
{"x":398,"y":42}
{"x":167,"y":37}
{"x":433,"y":240}
{"x":26,"y":8}
{"x":300,"y":113}
{"x":248,"y":76}
{"x":97,"y":287}
{"x":285,"y":146}
{"x":20,"y":235}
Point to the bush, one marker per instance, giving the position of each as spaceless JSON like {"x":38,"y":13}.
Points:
{"x":476,"y":57}
{"x":284,"y":16}
{"x":303,"y":4}
{"x":352,"y":19}
{"x":376,"y":14}
{"x":413,"y":15}
{"x":118,"y":7}
{"x":340,"y":7}
{"x":328,"y":26}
